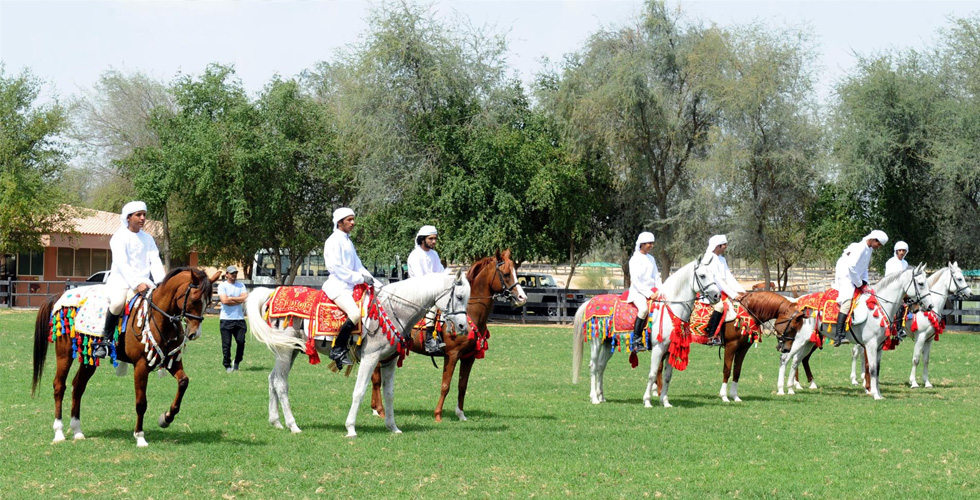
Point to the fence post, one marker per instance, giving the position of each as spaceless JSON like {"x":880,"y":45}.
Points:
{"x":10,"y":292}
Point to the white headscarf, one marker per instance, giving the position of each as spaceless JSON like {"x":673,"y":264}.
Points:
{"x":340,"y":214}
{"x":129,"y":209}
{"x":714,"y":241}
{"x":425,"y":231}
{"x":901,"y":245}
{"x":644,"y":237}
{"x":877,"y":234}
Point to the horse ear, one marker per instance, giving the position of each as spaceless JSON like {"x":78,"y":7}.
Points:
{"x":215,"y":277}
{"x":459,"y":272}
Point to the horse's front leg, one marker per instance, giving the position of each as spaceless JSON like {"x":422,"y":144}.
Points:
{"x":780,"y":384}
{"x":873,"y":355}
{"x":656,"y":354}
{"x":796,"y":355}
{"x":448,"y":368}
{"x":740,"y":352}
{"x":668,"y":371}
{"x":806,"y":366}
{"x":926,"y":352}
{"x":855,"y":352}
{"x":388,"y":389}
{"x":920,"y":340}
{"x":177,"y":370}
{"x":465,"y":367}
{"x":364,"y":370}
{"x":726,"y":369}
{"x":141,"y":372}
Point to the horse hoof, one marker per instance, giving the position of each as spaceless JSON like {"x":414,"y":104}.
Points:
{"x":913,"y":385}
{"x":791,"y":392}
{"x":854,"y":381}
{"x":737,"y":399}
{"x":277,"y":425}
{"x":295,"y":429}
{"x":725,"y":399}
{"x":396,"y":430}
{"x":351,"y":435}
{"x":78,"y":437}
{"x":780,"y":393}
{"x":375,"y":413}
{"x":667,"y":405}
{"x":140,"y":440}
{"x":163,"y":421}
{"x":813,"y":385}
{"x":928,"y":385}
{"x":460,"y":415}
{"x":59,"y":438}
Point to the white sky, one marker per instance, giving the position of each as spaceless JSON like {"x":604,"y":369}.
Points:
{"x":68,"y":44}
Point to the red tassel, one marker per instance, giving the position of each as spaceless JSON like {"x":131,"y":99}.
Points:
{"x":634,"y":360}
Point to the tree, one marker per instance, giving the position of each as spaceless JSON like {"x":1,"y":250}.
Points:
{"x":765,"y":149}
{"x":31,"y":162}
{"x":636,"y":100}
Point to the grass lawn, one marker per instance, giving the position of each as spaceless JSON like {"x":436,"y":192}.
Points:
{"x":531,"y":433}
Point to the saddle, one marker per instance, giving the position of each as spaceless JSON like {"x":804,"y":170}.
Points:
{"x":80,"y":315}
{"x":289,"y":303}
{"x":616,"y":310}
{"x":824,"y":306}
{"x":701,"y":315}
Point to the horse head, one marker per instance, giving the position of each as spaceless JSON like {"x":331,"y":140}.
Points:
{"x":182,"y":297}
{"x":453,"y":303}
{"x":704,"y":283}
{"x":507,"y":279}
{"x":958,"y":286}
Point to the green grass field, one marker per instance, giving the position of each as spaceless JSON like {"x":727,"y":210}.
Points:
{"x":531,"y":433}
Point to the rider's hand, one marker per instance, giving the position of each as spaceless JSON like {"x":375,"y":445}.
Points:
{"x":740,"y":296}
{"x":369,"y":278}
{"x":142,"y":288}
{"x":656,"y":295}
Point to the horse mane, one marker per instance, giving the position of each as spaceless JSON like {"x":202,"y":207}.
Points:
{"x":889,"y":278}
{"x":478,"y":267}
{"x":764,"y":304}
{"x":199,"y":274}
{"x":934,"y":277}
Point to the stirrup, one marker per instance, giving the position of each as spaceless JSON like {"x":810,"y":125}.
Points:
{"x":638,"y":346}
{"x":433,"y":348}
{"x":715,"y":341}
{"x":340,"y":355}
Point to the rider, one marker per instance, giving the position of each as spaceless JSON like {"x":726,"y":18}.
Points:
{"x":422,"y":261}
{"x":730,"y":287}
{"x":897,"y":264}
{"x":346,"y":271}
{"x":644,"y":284}
{"x":135,"y":258}
{"x":851,"y":274}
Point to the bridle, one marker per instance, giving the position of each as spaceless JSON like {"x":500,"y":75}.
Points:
{"x":179,"y":319}
{"x":506,"y":292}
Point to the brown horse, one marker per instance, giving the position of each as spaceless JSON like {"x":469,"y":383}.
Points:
{"x":175,"y":307}
{"x":762,"y":306}
{"x":489,"y":278}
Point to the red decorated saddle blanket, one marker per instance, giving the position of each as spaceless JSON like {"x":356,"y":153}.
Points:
{"x":614,"y":309}
{"x":326,"y":318}
{"x":822,"y":303}
{"x":744,"y":322}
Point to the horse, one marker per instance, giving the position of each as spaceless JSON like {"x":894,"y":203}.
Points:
{"x":679,"y":292}
{"x":489,"y":278}
{"x":923,"y":326}
{"x":404,"y":302}
{"x":869,"y":326}
{"x":174,"y":317}
{"x":762,"y":307}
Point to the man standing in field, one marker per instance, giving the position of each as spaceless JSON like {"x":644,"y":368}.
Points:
{"x":232,"y":295}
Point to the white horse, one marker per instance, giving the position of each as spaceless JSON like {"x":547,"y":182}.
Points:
{"x":405,"y":303}
{"x":679,"y":292}
{"x":942,"y":283}
{"x":865,"y":329}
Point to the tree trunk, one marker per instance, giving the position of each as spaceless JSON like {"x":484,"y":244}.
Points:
{"x":763,"y":255}
{"x":166,"y":238}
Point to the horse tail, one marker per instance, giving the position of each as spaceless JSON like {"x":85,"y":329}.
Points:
{"x":42,"y":330}
{"x":271,"y":337}
{"x":578,"y":338}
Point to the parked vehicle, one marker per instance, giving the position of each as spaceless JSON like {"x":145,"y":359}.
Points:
{"x":545,"y":297}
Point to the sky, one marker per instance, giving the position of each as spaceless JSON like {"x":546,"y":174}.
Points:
{"x":68,"y":44}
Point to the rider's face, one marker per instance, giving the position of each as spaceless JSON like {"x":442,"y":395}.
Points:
{"x":646,"y":247}
{"x":346,"y":224}
{"x":430,"y":242}
{"x":136,"y":220}
{"x":875,"y":244}
{"x":901,"y":253}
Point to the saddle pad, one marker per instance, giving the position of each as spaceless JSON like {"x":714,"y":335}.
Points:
{"x":623,"y":314}
{"x":296,"y":301}
{"x":824,"y":303}
{"x":329,"y":318}
{"x":92,"y":303}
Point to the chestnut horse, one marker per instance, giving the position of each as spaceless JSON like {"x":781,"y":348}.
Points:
{"x":174,"y":317}
{"x":489,"y":278}
{"x":763,"y":307}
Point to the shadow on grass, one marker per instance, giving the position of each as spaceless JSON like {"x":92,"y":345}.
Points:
{"x":157,"y":435}
{"x":374,"y":429}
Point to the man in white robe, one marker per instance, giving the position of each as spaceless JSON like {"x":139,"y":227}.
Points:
{"x":136,"y":267}
{"x":714,"y":259}
{"x":422,"y":261}
{"x":644,"y":282}
{"x":897,"y":263}
{"x":346,"y":270}
{"x":851,"y":273}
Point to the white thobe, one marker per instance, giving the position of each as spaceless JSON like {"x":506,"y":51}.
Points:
{"x":343,"y":263}
{"x":422,"y":262}
{"x":718,"y":269}
{"x":895,"y":265}
{"x":135,"y":260}
{"x":851,"y":269}
{"x":644,"y":277}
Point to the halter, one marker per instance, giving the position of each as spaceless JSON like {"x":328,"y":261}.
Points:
{"x":780,"y":337}
{"x":505,"y":291}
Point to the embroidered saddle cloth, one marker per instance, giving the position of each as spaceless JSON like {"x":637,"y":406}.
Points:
{"x":313,"y":305}
{"x":615,"y":308}
{"x":92,"y":303}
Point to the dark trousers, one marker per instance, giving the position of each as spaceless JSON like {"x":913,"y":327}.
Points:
{"x":232,"y":328}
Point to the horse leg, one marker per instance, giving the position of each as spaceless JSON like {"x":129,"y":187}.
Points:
{"x":368,"y":362}
{"x":873,"y":355}
{"x":855,"y":352}
{"x":279,"y":389}
{"x":141,"y":372}
{"x":926,"y":351}
{"x":656,"y":353}
{"x":806,"y":367}
{"x":388,"y":389}
{"x":377,"y":408}
{"x":177,"y":370}
{"x":780,"y":385}
{"x":63,"y":366}
{"x":448,"y":368}
{"x":916,"y":356}
{"x":668,"y":371}
{"x":726,"y":369}
{"x":794,"y":368}
{"x":465,"y":367}
{"x":740,"y":352}
{"x":867,"y":374}
{"x":596,"y":366}
{"x":78,"y":385}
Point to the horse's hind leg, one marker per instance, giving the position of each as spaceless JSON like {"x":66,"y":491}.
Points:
{"x":388,"y":389}
{"x":726,"y":369}
{"x":855,"y":352}
{"x":377,"y":408}
{"x":668,"y":371}
{"x":465,"y":367}
{"x":177,"y":370}
{"x":64,"y":362}
{"x":279,"y":389}
{"x":806,"y":367}
{"x":448,"y":367}
{"x":78,"y":385}
{"x":596,"y":366}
